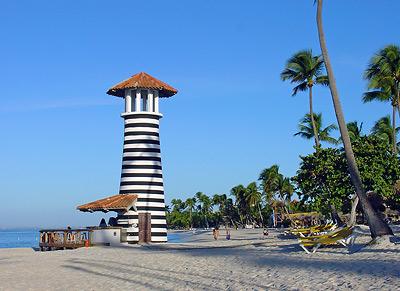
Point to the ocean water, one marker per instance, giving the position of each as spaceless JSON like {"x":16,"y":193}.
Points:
{"x":29,"y":238}
{"x":26,"y":238}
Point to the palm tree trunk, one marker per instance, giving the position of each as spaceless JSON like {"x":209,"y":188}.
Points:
{"x":275,"y":216}
{"x":394,"y":129}
{"x":191,"y":219}
{"x":335,"y":216}
{"x":316,"y":139}
{"x":259,"y":211}
{"x":353,"y":213}
{"x":398,"y":105}
{"x":376,"y":225}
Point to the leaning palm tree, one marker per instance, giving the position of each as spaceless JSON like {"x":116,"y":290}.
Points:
{"x":254,"y":198}
{"x":383,"y":74}
{"x":306,"y":70}
{"x":190,"y":205}
{"x":376,"y":225}
{"x":324,"y":134}
{"x":383,"y":129}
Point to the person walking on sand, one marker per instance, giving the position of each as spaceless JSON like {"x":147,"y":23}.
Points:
{"x":216,"y":232}
{"x":228,"y":234}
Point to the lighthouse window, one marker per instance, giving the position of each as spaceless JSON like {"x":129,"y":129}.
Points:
{"x":144,"y":100}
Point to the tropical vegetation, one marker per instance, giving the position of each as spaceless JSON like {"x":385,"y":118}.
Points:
{"x":352,"y":166}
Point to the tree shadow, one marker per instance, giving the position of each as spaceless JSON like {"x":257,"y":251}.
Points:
{"x":389,"y":268}
{"x":156,"y":273}
{"x":132,"y":281}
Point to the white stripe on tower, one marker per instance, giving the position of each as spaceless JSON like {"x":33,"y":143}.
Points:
{"x":141,"y":173}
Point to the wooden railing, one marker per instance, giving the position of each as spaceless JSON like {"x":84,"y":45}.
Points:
{"x":53,"y":239}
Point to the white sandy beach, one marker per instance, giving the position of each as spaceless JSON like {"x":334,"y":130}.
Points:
{"x":247,"y":262}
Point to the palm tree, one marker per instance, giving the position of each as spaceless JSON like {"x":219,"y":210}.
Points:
{"x":355,"y":130}
{"x":383,"y":74}
{"x":384,"y":94}
{"x":306,"y":129}
{"x":253,"y":197}
{"x":190,"y":205}
{"x":384,"y":71}
{"x":383,"y":129}
{"x":177,"y":204}
{"x":219,"y":200}
{"x":285,"y":190}
{"x":239,"y":192}
{"x":205,"y":206}
{"x":376,"y":225}
{"x":270,"y":178}
{"x":306,"y":70}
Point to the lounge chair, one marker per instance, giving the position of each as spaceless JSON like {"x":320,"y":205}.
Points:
{"x":343,"y":236}
{"x":303,"y":232}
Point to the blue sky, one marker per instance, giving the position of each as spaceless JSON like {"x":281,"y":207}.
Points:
{"x":61,"y":135}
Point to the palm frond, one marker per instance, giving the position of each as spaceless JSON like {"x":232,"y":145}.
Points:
{"x":376,"y":95}
{"x":304,"y":68}
{"x":322,"y":80}
{"x":301,"y":87}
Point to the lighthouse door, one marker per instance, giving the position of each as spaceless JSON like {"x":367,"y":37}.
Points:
{"x":144,"y":227}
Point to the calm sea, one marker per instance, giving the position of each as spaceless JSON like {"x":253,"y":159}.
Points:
{"x":29,"y":238}
{"x":21,"y":238}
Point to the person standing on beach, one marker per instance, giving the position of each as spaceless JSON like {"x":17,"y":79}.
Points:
{"x":228,"y":234}
{"x":216,"y":233}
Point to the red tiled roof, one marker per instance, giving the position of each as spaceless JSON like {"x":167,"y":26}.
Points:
{"x":116,"y":202}
{"x":145,"y":81}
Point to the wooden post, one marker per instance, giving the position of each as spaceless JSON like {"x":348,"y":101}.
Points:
{"x":144,"y":227}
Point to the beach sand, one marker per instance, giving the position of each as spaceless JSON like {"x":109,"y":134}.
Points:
{"x":247,"y":262}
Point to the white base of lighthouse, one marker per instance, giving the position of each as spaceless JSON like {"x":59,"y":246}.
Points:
{"x":142,"y":175}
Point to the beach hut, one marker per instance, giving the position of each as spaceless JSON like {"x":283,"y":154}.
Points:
{"x":141,"y":175}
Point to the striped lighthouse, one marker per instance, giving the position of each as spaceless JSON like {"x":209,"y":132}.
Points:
{"x":141,"y":172}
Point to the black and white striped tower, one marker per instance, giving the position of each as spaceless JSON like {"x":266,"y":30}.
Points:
{"x":141,"y":163}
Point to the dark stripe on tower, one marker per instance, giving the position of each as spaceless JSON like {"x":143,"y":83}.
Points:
{"x":155,"y":225}
{"x":152,"y":225}
{"x":151,"y":116}
{"x":146,"y":175}
{"x":141,"y":150}
{"x":150,"y":183}
{"x":141,"y":133}
{"x":152,"y":234}
{"x":140,"y":191}
{"x":135,"y":216}
{"x":161,"y":200}
{"x":140,"y":158}
{"x":150,"y":208}
{"x":147,"y":141}
{"x":141,"y":125}
{"x":159,"y":233}
{"x":154,"y":167}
